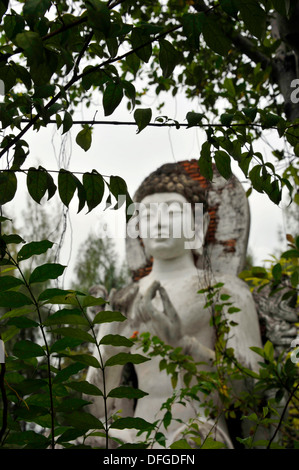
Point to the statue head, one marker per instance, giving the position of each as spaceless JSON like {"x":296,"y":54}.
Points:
{"x":225,"y":218}
{"x":171,"y":212}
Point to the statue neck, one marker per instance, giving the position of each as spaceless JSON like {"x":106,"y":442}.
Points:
{"x":174,"y":267}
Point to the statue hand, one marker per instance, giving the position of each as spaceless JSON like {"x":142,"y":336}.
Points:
{"x":165,"y":324}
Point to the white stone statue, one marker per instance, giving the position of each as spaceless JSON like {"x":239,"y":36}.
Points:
{"x":166,"y":302}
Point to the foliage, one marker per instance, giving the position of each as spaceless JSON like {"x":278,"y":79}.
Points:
{"x":42,"y":384}
{"x":236,"y":58}
{"x":43,"y":398}
{"x":283,"y":274}
{"x":261,"y":406}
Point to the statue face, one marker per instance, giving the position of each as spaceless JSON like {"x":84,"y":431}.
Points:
{"x":166,"y":224}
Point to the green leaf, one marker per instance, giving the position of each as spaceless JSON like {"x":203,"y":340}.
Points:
{"x":126,"y":392}
{"x":28,"y":386}
{"x":51,"y":186}
{"x":44,"y":91}
{"x":17,"y":312}
{"x":138,"y":38}
{"x":142,"y":118}
{"x":82,"y":420}
{"x":244,"y":162}
{"x":23,"y":74}
{"x":210,"y":443}
{"x":12,"y":299}
{"x":32,"y":45}
{"x":250,"y":113}
{"x":84,"y":359}
{"x":64,"y":344}
{"x":192,"y":28}
{"x":98,"y":16}
{"x":66,"y":185}
{"x":67,"y":372}
{"x":8,"y":186}
{"x":9,"y":282}
{"x":280,"y":6}
{"x":85,"y":387}
{"x":83,"y":138}
{"x":124,"y":358}
{"x":133,"y":63}
{"x":254,"y":17}
{"x":45,"y":272}
{"x":8,"y":76}
{"x":108,"y":317}
{"x":194,"y":118}
{"x":112,"y":96}
{"x":226,"y":119}
{"x":269,"y":350}
{"x":222,"y":161}
{"x":75,"y":333}
{"x":118,"y":187}
{"x":9,"y":333}
{"x":48,"y":294}
{"x":28,"y":438}
{"x":258,"y":351}
{"x":34,"y":248}
{"x":214,"y":36}
{"x":205,"y":161}
{"x":180,"y":444}
{"x":169,"y":57}
{"x":71,"y":404}
{"x":66,"y":317}
{"x":37,"y":183}
{"x":3,"y":7}
{"x":70,"y":435}
{"x":22,"y":322}
{"x":290,"y":254}
{"x":295,"y":279}
{"x":130,"y":91}
{"x":94,"y":187}
{"x":13,"y":238}
{"x":67,"y":122}
{"x":36,"y":8}
{"x":277,"y":272}
{"x":256,"y":179}
{"x":116,"y":340}
{"x":25,"y":349}
{"x":132,"y":423}
{"x":90,"y":301}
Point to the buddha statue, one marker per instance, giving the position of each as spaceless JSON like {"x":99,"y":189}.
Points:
{"x":163,"y":299}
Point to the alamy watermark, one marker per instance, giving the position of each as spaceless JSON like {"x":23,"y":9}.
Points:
{"x":160,"y":220}
{"x":295,"y":352}
{"x":295,"y":93}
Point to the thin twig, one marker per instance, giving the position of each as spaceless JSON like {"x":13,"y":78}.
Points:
{"x":102,"y":369}
{"x":46,"y":346}
{"x":282,"y":415}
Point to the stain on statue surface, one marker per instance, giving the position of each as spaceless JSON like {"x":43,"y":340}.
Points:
{"x":168,"y":271}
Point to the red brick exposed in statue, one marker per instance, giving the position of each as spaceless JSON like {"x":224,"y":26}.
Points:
{"x":230,"y":245}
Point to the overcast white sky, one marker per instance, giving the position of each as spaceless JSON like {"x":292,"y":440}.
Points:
{"x":118,"y":150}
